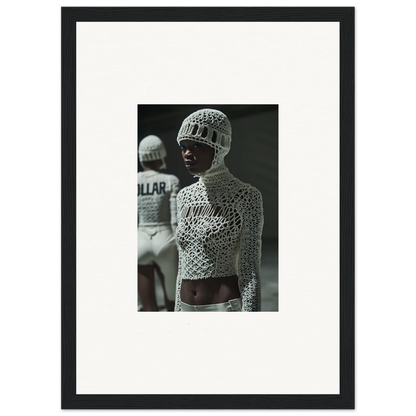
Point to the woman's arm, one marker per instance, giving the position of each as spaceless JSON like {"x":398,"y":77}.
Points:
{"x":250,"y":250}
{"x":178,"y":307}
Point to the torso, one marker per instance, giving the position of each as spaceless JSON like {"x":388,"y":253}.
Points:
{"x":209,"y":291}
{"x":210,"y":220}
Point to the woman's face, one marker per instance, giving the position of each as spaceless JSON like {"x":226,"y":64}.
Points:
{"x":197,"y":156}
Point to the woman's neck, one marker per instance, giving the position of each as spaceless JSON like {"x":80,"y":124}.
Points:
{"x":216,"y":175}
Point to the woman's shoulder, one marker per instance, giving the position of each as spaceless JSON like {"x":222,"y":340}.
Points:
{"x":245,"y":191}
{"x":157,"y":176}
{"x":168,"y":176}
{"x":250,"y":202}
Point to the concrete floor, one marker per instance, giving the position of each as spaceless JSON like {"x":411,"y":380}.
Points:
{"x":268,"y":275}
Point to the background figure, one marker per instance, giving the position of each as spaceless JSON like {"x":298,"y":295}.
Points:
{"x":156,"y":216}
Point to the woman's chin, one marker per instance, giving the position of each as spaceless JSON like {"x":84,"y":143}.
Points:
{"x":192,"y":170}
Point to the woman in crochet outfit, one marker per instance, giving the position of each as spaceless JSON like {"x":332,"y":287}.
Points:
{"x":220,"y":221}
{"x":156,"y":215}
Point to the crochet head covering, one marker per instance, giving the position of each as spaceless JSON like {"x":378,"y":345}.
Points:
{"x":152,"y":148}
{"x":211,"y":127}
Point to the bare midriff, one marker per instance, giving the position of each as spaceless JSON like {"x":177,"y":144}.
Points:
{"x":209,"y":291}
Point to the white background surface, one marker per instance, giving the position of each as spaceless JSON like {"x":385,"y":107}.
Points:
{"x":293,"y":64}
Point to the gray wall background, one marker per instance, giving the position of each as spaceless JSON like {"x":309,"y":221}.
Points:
{"x":253,"y":157}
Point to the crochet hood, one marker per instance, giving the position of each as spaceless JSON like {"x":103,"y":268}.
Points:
{"x":213,"y":128}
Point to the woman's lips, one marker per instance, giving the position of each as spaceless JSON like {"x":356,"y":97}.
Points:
{"x":189,"y":164}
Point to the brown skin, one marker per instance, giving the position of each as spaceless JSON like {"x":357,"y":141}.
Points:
{"x":209,"y":291}
{"x":198,"y":158}
{"x":146,"y":288}
{"x":170,"y":304}
{"x":146,"y":274}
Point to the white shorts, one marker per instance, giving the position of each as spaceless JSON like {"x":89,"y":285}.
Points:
{"x":233,"y":305}
{"x":156,"y":244}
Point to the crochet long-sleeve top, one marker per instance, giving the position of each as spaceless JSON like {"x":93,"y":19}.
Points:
{"x":156,"y":198}
{"x":220,"y":222}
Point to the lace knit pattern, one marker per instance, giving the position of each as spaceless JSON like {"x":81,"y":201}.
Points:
{"x":220,"y":221}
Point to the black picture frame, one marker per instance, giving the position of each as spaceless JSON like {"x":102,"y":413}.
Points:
{"x":69,"y":398}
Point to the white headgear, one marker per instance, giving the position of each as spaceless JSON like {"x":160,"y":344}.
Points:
{"x":211,"y":127}
{"x":152,"y":148}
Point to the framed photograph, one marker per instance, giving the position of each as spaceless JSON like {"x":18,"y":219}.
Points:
{"x":284,"y":79}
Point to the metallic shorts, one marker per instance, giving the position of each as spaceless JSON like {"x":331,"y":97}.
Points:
{"x":233,"y":305}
